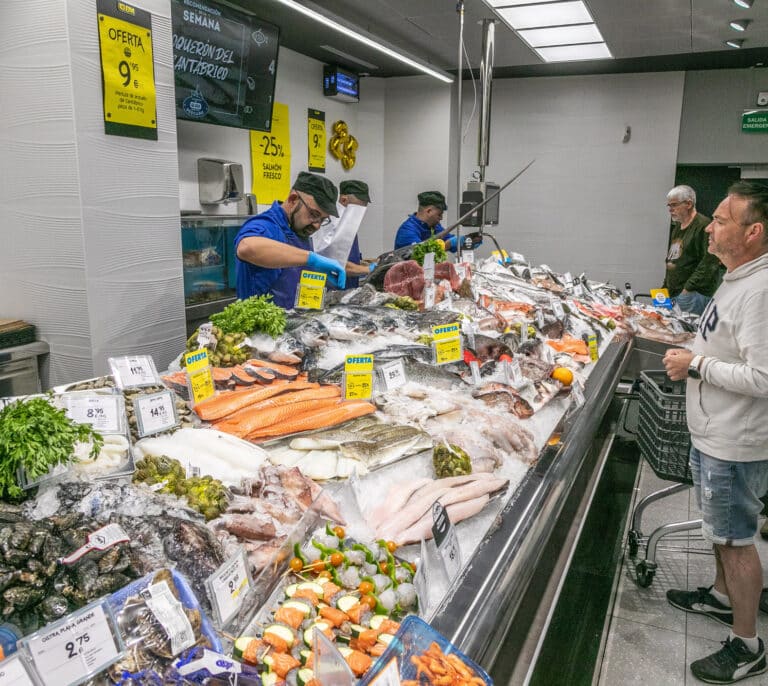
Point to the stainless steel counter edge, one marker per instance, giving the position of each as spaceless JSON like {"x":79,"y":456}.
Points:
{"x":481,"y":604}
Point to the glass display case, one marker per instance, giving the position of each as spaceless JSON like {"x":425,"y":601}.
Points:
{"x":208,"y":253}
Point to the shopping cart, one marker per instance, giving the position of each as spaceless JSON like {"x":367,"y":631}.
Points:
{"x":664,"y":441}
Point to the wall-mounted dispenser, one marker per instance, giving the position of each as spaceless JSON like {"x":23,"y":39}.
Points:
{"x":219,"y":181}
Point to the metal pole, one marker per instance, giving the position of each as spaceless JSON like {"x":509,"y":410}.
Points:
{"x":459,"y":106}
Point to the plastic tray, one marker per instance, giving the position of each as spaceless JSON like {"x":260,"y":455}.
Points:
{"x":662,"y":430}
{"x":187,"y":596}
{"x":414,"y":638}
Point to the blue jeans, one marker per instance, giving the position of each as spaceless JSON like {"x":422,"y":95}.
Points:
{"x":692,"y":302}
{"x":728,"y":495}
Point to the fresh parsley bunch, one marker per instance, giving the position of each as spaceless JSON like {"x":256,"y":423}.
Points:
{"x":36,"y":436}
{"x":430,"y":245}
{"x":257,"y":314}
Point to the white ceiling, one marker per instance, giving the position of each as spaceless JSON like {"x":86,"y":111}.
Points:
{"x":643,"y":35}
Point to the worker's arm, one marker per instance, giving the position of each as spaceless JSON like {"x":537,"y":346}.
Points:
{"x":264,"y":252}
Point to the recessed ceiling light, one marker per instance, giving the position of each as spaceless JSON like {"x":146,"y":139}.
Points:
{"x":572,"y":53}
{"x":561,"y":35}
{"x":545,"y":14}
{"x":746,"y":4}
{"x":735,"y":42}
{"x":739,"y":24}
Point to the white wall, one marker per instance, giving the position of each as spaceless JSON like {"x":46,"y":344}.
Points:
{"x":298,"y":85}
{"x":710,"y":129}
{"x":417,"y":145}
{"x":590,"y":202}
{"x":89,"y":223}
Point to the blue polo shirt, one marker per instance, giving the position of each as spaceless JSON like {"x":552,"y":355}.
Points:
{"x":413,"y":230}
{"x":253,"y":280}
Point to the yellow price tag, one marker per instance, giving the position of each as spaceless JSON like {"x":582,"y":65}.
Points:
{"x":316,"y":140}
{"x":201,"y":384}
{"x":448,"y":350}
{"x":592,"y":345}
{"x":197,"y":359}
{"x":358,"y":385}
{"x":271,"y":158}
{"x":311,"y":290}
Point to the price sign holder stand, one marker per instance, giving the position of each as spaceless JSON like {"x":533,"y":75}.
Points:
{"x":199,"y":376}
{"x":392,"y":375}
{"x":134,"y":371}
{"x":446,"y":540}
{"x":155,"y":412}
{"x":357,"y":379}
{"x":15,"y":672}
{"x":446,"y":344}
{"x":75,"y":648}
{"x":229,"y":587}
{"x":311,"y":291}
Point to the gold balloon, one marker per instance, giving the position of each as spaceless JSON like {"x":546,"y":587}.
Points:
{"x":352,"y":144}
{"x":343,"y":144}
{"x":340,"y":126}
{"x":348,"y":161}
{"x":334,"y":147}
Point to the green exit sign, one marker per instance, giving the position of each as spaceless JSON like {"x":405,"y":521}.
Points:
{"x":755,"y":121}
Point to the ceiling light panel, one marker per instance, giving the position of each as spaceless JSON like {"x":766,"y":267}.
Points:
{"x":573,"y":53}
{"x":542,"y":15}
{"x":511,"y":3}
{"x":562,"y":35}
{"x":740,"y":24}
{"x":746,"y":4}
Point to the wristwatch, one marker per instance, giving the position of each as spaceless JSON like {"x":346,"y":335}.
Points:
{"x":694,"y":368}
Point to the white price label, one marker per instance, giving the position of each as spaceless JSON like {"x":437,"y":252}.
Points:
{"x":389,"y":676}
{"x":474,"y":367}
{"x":578,"y":394}
{"x":517,"y":257}
{"x":102,"y":412}
{"x":14,"y":673}
{"x":539,"y":319}
{"x":557,"y":308}
{"x":69,"y":651}
{"x":393,"y":374}
{"x":568,"y":278}
{"x":170,"y":613}
{"x":468,"y":256}
{"x":130,"y":372}
{"x":446,"y":540}
{"x":205,"y":337}
{"x":523,"y":331}
{"x":512,"y":374}
{"x":548,"y":354}
{"x":461,"y":271}
{"x":155,"y":412}
{"x":429,"y":267}
{"x":229,"y":585}
{"x":429,"y":296}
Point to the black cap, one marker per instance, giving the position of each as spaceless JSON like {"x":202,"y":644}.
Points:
{"x":357,"y":188}
{"x":435,"y":198}
{"x":320,"y":188}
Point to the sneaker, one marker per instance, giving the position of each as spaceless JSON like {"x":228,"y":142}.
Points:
{"x":732,"y":662}
{"x":764,"y":600}
{"x":702,"y":602}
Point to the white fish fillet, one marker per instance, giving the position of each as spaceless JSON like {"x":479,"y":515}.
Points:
{"x":215,"y":453}
{"x":319,"y":464}
{"x":457,"y":512}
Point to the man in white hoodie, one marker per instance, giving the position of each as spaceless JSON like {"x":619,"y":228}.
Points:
{"x":727,"y":412}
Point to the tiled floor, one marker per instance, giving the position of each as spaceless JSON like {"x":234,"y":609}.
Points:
{"x":649,"y":641}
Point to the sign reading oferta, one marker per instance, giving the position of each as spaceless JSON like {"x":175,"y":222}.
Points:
{"x":127,"y":70}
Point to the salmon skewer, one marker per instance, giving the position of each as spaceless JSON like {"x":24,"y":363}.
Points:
{"x":256,"y":419}
{"x":226,"y":403}
{"x":321,"y":419}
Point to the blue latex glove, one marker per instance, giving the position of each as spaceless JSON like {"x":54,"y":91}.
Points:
{"x":372,"y":266}
{"x":336,"y":275}
{"x":450,"y":243}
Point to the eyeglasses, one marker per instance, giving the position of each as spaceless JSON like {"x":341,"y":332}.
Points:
{"x":314,"y":215}
{"x":675,"y":204}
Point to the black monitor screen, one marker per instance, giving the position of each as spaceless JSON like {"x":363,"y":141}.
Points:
{"x":225,"y":64}
{"x":337,"y":81}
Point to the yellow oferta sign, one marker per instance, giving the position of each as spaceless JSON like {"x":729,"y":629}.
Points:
{"x":271,"y":158}
{"x":309,"y":295}
{"x":127,"y":70}
{"x":358,"y":377}
{"x":316,"y":140}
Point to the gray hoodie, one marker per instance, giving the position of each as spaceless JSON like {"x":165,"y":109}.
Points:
{"x":728,"y":408}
